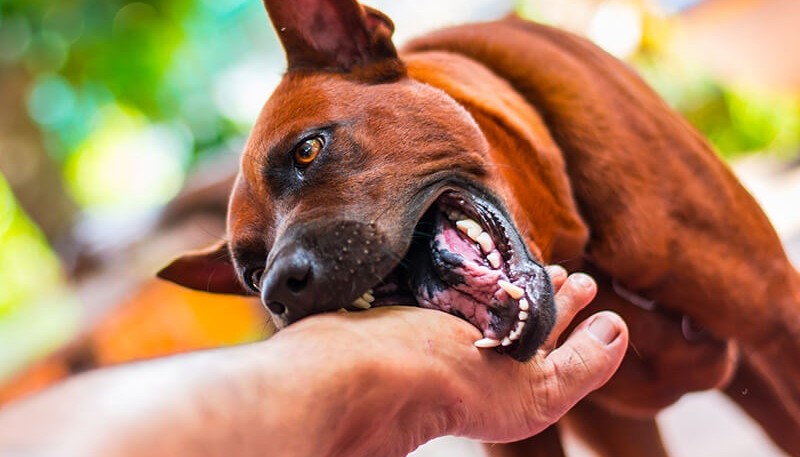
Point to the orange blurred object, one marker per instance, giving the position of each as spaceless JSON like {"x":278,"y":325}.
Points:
{"x":160,"y":319}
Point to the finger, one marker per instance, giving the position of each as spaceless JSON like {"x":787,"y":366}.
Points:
{"x":577,"y":292}
{"x":586,"y":361}
{"x":557,"y":275}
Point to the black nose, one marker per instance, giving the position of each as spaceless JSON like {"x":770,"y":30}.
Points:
{"x":288,"y":288}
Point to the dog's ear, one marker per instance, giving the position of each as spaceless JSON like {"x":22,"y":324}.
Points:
{"x":332,"y":35}
{"x":208,"y":270}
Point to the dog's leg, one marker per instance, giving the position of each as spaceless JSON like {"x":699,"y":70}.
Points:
{"x":545,"y":444}
{"x":756,"y":396}
{"x":612,"y":435}
{"x":662,"y":362}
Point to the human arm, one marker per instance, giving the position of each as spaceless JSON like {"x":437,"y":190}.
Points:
{"x":374,"y":383}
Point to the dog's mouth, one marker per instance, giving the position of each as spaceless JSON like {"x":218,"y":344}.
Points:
{"x":467,"y":258}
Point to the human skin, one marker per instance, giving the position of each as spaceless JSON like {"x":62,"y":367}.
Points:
{"x":380,"y":382}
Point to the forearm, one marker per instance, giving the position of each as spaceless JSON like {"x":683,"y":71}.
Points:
{"x":282,"y":397}
{"x":186,"y":402}
{"x":376,"y":383}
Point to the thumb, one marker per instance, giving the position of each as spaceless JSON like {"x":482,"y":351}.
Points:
{"x":584,"y":362}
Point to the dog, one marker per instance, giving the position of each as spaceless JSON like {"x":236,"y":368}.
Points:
{"x":447,"y":174}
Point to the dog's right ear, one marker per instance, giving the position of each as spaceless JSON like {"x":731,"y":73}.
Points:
{"x":332,"y":35}
{"x":208,"y":270}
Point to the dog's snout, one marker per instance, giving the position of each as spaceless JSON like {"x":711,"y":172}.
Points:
{"x":288,"y":286}
{"x":322,"y":266}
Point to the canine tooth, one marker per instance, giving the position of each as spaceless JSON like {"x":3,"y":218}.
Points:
{"x":342,"y":310}
{"x":514,"y":291}
{"x":506,"y":341}
{"x":485,"y":240}
{"x":471,"y":228}
{"x":361,"y":303}
{"x":494,"y":259}
{"x":368,"y":297}
{"x":522,"y":315}
{"x":523,"y":304}
{"x":486,"y":343}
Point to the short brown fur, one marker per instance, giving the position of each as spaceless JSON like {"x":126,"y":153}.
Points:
{"x":597,"y":172}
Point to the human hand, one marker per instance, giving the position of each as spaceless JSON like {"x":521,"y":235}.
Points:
{"x":413,"y":374}
{"x":380,"y":382}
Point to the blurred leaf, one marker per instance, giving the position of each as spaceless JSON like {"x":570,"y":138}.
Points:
{"x":27,"y":265}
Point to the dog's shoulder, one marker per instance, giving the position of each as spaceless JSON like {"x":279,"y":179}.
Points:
{"x":554,"y":69}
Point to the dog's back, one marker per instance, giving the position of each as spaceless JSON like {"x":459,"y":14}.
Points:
{"x":666,"y":218}
{"x":628,"y":156}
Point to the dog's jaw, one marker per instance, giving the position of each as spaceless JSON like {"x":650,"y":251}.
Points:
{"x":466,"y":258}
{"x":490,"y":278}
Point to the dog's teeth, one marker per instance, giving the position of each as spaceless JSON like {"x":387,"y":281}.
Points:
{"x":515,"y":334}
{"x":342,"y":310}
{"x":523,"y":304}
{"x":506,"y":341}
{"x":361,"y":303}
{"x":368,"y":297}
{"x":494,"y":259}
{"x":474,"y":235}
{"x":485,"y":240}
{"x":486,"y":343}
{"x":471,"y":228}
{"x":466,"y":224}
{"x":523,"y":315}
{"x":514,"y":291}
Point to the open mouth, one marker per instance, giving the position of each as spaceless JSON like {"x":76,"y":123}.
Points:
{"x":466,"y":258}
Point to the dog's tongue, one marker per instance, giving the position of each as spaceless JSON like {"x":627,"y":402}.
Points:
{"x":456,"y":277}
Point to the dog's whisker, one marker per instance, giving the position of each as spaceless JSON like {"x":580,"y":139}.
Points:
{"x":267,"y":328}
{"x":635,"y":350}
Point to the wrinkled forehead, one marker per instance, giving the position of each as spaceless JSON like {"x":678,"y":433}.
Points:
{"x":307,"y":101}
{"x":371,"y":114}
{"x":301,"y":100}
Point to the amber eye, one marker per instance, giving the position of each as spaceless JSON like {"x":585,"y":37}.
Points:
{"x":307,"y":151}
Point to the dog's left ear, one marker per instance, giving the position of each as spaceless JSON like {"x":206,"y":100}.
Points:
{"x":208,"y":270}
{"x":332,"y":35}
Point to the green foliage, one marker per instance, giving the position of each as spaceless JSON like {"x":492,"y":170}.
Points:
{"x":26,"y":264}
{"x":36,"y":312}
{"x":737,"y":120}
{"x":154,"y":56}
{"x":124,"y":95}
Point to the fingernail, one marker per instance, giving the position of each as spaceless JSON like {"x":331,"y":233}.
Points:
{"x":602,"y":328}
{"x":581,"y":280}
{"x":555,"y":271}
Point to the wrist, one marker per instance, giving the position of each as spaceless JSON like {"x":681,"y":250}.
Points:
{"x":370,"y":391}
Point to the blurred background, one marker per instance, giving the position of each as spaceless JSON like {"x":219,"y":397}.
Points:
{"x":121,"y":123}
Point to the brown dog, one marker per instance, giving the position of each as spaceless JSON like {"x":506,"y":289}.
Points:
{"x":447,"y":176}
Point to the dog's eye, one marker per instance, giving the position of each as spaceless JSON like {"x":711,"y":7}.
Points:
{"x":307,"y":151}
{"x":253,"y":278}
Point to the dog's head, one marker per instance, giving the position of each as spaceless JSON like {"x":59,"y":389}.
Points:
{"x":361,"y":187}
